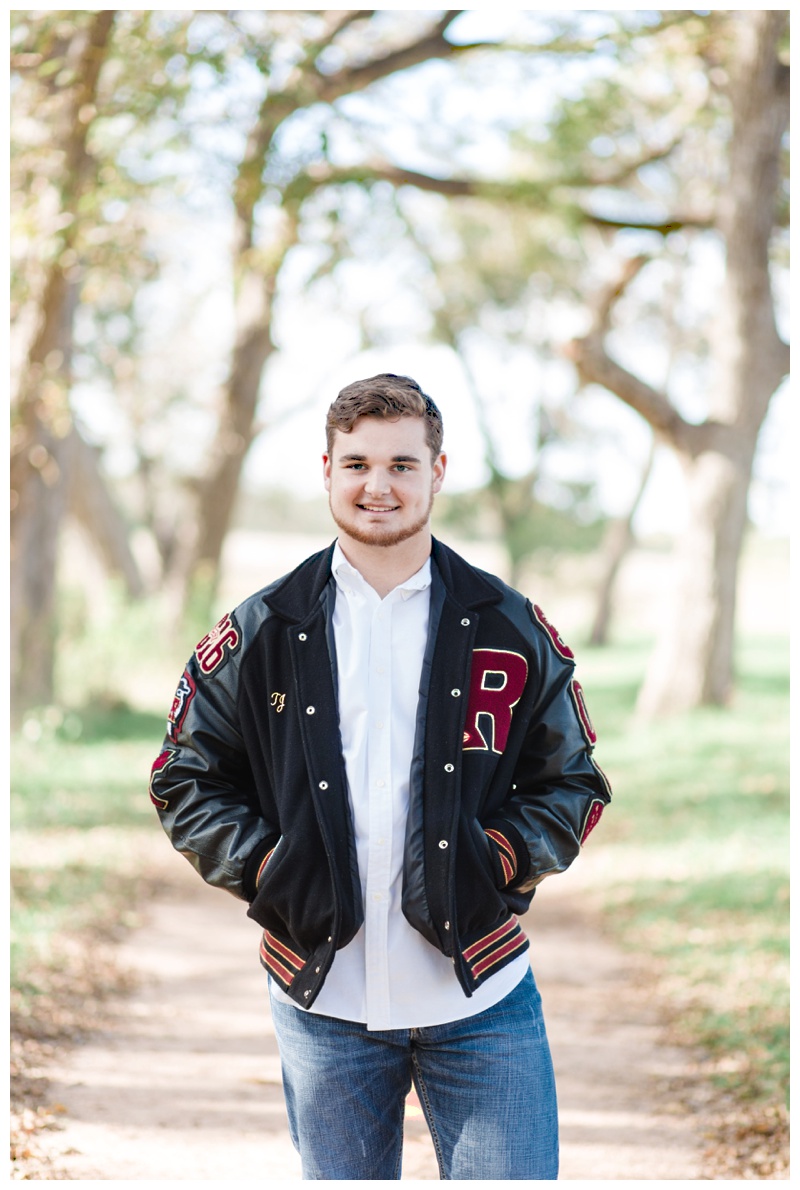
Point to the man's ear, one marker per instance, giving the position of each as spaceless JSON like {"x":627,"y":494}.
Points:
{"x":326,"y":472}
{"x":439,"y":468}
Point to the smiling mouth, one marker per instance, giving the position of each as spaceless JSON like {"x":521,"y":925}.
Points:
{"x":380,"y":509}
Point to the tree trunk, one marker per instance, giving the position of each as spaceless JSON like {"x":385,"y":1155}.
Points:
{"x":692,"y":663}
{"x":91,"y":503}
{"x":617,"y":545}
{"x":36,"y":526}
{"x":40,"y":455}
{"x":219,"y":489}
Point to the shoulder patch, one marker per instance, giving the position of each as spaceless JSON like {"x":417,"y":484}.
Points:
{"x":159,"y":764}
{"x":218,"y":644}
{"x":186,"y":691}
{"x":560,"y":647}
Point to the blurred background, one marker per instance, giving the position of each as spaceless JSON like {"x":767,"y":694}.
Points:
{"x":572,"y":228}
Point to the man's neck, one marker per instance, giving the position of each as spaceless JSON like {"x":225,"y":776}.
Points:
{"x":386,"y":567}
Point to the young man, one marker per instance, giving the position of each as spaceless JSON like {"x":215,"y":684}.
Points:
{"x":384,"y":752}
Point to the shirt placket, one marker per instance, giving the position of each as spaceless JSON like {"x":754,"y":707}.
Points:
{"x":379,"y":773}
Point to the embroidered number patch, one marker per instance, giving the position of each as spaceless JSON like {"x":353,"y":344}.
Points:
{"x":221,"y":640}
{"x":496,"y":683}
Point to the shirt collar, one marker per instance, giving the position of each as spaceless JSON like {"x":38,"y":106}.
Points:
{"x":342,"y":569}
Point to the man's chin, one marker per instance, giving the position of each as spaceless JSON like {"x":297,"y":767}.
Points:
{"x":379,"y":535}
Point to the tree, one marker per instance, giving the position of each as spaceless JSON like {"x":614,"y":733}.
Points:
{"x":365,"y":48}
{"x":692,"y":663}
{"x":40,"y":453}
{"x":77,"y":250}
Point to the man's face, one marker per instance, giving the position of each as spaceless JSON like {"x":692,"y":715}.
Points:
{"x":381,"y":480}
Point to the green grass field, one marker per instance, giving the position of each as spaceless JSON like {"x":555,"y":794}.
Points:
{"x":692,"y":858}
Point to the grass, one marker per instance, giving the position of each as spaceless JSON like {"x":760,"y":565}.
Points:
{"x":694,"y":856}
{"x":83,"y":829}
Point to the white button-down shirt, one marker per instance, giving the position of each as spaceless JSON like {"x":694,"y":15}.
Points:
{"x":389,"y":976}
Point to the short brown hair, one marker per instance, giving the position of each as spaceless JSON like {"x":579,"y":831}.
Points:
{"x":389,"y":396}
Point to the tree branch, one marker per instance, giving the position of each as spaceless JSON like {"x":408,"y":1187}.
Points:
{"x":661,"y":226}
{"x":595,"y":366}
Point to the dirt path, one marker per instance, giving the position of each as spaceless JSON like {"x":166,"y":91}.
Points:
{"x":183,"y":1079}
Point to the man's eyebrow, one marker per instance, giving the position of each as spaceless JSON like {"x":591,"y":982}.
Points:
{"x":357,"y":458}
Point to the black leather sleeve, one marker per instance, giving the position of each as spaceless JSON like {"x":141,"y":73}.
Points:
{"x":202,"y":784}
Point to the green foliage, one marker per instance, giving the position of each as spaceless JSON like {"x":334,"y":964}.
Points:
{"x":538,"y":528}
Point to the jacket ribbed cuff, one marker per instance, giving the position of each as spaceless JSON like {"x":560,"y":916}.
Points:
{"x":253,"y":867}
{"x":510,"y":859}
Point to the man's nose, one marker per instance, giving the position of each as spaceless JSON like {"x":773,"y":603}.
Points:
{"x":377,"y":482}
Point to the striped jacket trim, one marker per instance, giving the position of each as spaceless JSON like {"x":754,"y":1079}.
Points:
{"x":279,"y":959}
{"x":494,"y":947}
{"x":508,"y":858}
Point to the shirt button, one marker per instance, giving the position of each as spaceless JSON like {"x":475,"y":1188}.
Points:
{"x":310,"y":710}
{"x":379,"y":726}
{"x":380,"y":783}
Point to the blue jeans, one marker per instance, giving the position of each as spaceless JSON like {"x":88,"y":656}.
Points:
{"x":485,"y":1084}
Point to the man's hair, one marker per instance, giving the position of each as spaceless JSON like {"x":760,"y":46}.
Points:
{"x":389,"y":396}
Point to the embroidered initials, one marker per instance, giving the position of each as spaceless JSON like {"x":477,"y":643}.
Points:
{"x":496,"y":684}
{"x":277,"y":701}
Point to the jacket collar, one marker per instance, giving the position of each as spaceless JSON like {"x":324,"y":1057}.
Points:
{"x":295,"y":597}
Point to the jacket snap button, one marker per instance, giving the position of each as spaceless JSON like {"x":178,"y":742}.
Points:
{"x":302,"y":636}
{"x":330,"y":938}
{"x":317,"y":970}
{"x":447,"y":925}
{"x":448,"y":768}
{"x":443,"y":844}
{"x":307,"y":993}
{"x":323,"y":784}
{"x":310,"y":710}
{"x":455,"y":693}
{"x":465,"y":623}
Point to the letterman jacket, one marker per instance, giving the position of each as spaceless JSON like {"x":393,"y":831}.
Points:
{"x":250,"y":784}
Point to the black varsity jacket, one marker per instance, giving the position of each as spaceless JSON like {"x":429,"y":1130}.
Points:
{"x":250,"y":784}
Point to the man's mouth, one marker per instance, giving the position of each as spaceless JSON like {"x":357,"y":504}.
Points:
{"x":378,"y":507}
